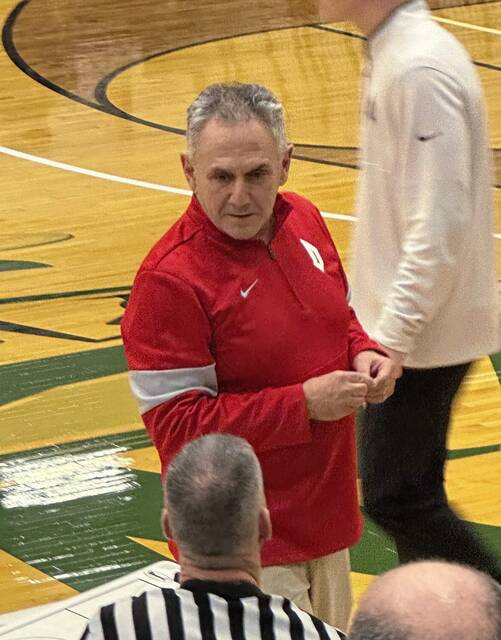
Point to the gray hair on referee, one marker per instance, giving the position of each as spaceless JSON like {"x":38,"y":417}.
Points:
{"x":233,"y":103}
{"x":213,"y":498}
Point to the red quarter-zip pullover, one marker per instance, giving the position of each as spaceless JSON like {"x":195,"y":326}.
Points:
{"x":220,"y":334}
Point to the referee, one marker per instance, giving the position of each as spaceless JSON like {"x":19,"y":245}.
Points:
{"x":215,"y":511}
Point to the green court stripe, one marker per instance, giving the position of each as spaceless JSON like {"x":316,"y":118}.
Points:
{"x":44,"y":536}
{"x":496,"y":363}
{"x":22,"y":379}
{"x":455,"y":454}
{"x":65,"y":294}
{"x":84,"y":542}
{"x":376,"y":551}
{"x":130,"y":440}
{"x":18,"y":265}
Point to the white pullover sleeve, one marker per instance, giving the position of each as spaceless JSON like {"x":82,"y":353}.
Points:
{"x":432,"y":179}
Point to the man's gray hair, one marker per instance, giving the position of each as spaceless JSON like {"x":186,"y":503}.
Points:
{"x":369,"y":625}
{"x":214,"y":493}
{"x":232,"y":103}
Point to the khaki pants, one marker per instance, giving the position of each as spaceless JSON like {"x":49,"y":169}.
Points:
{"x":321,"y":586}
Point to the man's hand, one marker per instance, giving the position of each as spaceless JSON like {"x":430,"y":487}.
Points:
{"x":336,"y":394}
{"x":383,"y":371}
{"x":397,"y":356}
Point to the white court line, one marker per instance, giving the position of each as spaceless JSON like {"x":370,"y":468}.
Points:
{"x":138,"y":183}
{"x":467,"y":25}
{"x":113,"y":178}
{"x":91,"y":172}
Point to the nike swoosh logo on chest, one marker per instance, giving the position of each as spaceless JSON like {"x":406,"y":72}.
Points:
{"x":245,"y":293}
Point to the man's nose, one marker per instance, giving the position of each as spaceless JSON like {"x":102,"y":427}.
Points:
{"x":239,"y":196}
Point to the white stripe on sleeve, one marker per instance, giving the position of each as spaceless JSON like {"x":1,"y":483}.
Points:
{"x":152,"y":388}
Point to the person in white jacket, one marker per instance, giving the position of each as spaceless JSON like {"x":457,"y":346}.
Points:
{"x":423,"y":276}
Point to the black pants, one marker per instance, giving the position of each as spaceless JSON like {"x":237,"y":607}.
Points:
{"x":402,"y":448}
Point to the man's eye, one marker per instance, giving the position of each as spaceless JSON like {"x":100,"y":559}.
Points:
{"x":222,"y":177}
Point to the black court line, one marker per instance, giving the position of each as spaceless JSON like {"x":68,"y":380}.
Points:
{"x":18,"y":60}
{"x":25,"y":67}
{"x":487,"y":65}
{"x":323,"y":146}
{"x":496,"y":151}
{"x":101,"y":91}
{"x":304,"y":146}
{"x":335,"y":163}
{"x":14,"y":327}
{"x":104,"y":104}
{"x":352,"y":34}
{"x":67,"y":236}
{"x":40,"y":297}
{"x":342,"y":32}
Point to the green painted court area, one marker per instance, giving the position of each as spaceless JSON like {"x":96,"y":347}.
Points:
{"x":70,"y":509}
{"x":23,"y":379}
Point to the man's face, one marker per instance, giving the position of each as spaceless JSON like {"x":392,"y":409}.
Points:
{"x":336,"y":10}
{"x":235,"y":172}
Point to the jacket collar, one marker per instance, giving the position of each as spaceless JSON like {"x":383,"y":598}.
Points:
{"x":227,"y":590}
{"x":281,"y":210}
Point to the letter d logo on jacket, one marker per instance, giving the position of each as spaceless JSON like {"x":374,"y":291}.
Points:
{"x":314,"y":254}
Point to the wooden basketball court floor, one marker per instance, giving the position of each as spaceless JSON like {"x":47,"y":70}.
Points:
{"x":92,"y":104}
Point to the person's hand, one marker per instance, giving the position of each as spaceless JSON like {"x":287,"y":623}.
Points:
{"x":336,"y":395}
{"x":398,"y":357}
{"x":383,"y":371}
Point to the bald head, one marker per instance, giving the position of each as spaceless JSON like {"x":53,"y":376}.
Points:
{"x":430,"y":599}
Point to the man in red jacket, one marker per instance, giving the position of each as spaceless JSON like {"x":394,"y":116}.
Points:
{"x":238,"y":322}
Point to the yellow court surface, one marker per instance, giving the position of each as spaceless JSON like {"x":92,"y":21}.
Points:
{"x":93,"y":95}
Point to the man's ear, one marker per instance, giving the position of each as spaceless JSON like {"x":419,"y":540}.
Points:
{"x":265,"y":529}
{"x":164,"y":522}
{"x":286,"y":163}
{"x":189,"y":172}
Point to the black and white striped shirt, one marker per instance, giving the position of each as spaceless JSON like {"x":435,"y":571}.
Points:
{"x":204,"y":610}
